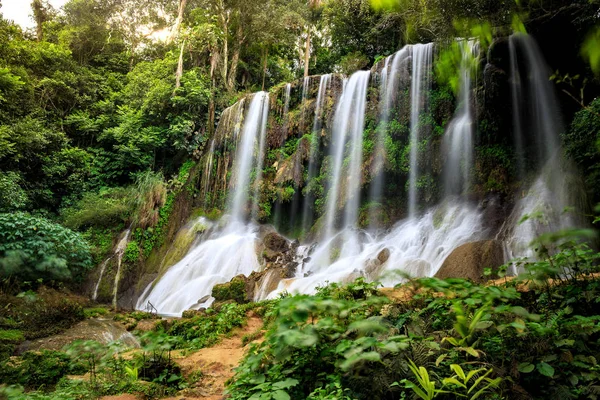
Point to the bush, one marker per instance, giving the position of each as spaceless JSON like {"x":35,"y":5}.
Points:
{"x":581,"y":144}
{"x":39,"y":369}
{"x":103,"y":209}
{"x":12,"y":195}
{"x":34,"y":248}
{"x":151,"y":195}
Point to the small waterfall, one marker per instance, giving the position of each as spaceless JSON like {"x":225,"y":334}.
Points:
{"x":262,"y":134}
{"x":230,"y":251}
{"x":458,"y":141}
{"x":286,"y":107}
{"x":206,"y":178}
{"x":422,"y":55}
{"x":119,"y":252}
{"x":102,"y":269}
{"x":556,"y":188}
{"x":348,"y":124}
{"x":516,"y":92}
{"x":188,"y":284}
{"x":354,"y":174}
{"x":307,"y":212}
{"x":534,"y":98}
{"x":254,"y":125}
{"x":387,"y":94}
{"x":305,"y":89}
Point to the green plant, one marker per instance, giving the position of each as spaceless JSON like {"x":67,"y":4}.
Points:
{"x":425,"y":387}
{"x":32,"y":248}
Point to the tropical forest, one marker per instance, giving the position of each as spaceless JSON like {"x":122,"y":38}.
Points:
{"x":300,"y":199}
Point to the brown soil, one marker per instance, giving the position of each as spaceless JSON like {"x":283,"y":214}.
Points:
{"x":215,"y":363}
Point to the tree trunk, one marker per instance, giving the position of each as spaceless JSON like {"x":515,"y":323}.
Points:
{"x":179,"y":72}
{"x":307,"y":53}
{"x":224,"y":17}
{"x":235,"y":58}
{"x":265,"y":67}
{"x":178,"y":21}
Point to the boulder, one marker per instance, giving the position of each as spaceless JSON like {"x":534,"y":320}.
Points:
{"x":236,"y":290}
{"x":469,"y":260}
{"x":383,"y":255}
{"x":275,"y":242}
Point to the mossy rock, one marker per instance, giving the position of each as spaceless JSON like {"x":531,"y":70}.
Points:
{"x":233,"y":290}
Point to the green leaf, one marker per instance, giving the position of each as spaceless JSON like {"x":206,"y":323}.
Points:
{"x":545,"y":369}
{"x":288,"y":383}
{"x":280,"y":395}
{"x":525,"y":367}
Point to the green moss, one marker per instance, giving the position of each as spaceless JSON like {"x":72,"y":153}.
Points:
{"x":94,"y":312}
{"x":11,"y":335}
{"x":234,"y":290}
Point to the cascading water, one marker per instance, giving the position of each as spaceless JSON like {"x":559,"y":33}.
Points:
{"x":556,"y":188}
{"x":422,"y":56}
{"x":254,"y":126}
{"x":416,"y":246}
{"x":305,"y":89}
{"x":206,"y":177}
{"x":286,"y":105}
{"x":458,"y":140}
{"x":262,"y":136}
{"x":348,"y":124}
{"x":387,"y":93}
{"x":307,"y":212}
{"x":102,"y":269}
{"x":228,"y":252}
{"x":119,"y":252}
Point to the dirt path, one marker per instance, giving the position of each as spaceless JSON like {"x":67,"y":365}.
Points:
{"x":215,"y":363}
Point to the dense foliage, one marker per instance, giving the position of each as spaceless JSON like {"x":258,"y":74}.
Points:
{"x":34,"y":248}
{"x":532,"y":337}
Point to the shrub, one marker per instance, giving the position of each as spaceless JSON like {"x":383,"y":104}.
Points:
{"x":34,"y":248}
{"x":151,"y":195}
{"x":38,"y":369}
{"x":104,"y":209}
{"x":581,"y":144}
{"x":12,"y":195}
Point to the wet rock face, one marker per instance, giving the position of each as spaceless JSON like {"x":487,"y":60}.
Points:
{"x":469,"y":260}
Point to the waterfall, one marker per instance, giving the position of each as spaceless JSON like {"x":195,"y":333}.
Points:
{"x":286,"y":107}
{"x":535,"y":98}
{"x":206,"y":177}
{"x":304,"y":99}
{"x":387,"y":94}
{"x":557,"y":187}
{"x":254,"y":126}
{"x":421,"y":83}
{"x":516,"y":97}
{"x":262,"y":135}
{"x":348,"y":124}
{"x":119,"y":252}
{"x":416,"y":246}
{"x":307,"y":212}
{"x":458,"y":141}
{"x":102,"y":269}
{"x":226,"y":253}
